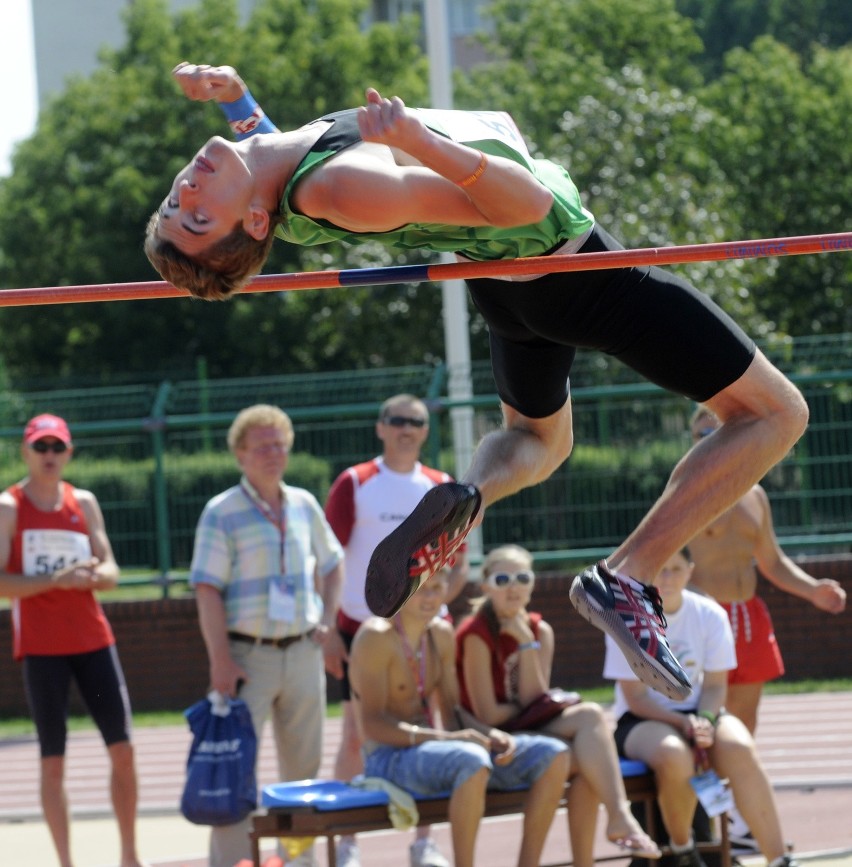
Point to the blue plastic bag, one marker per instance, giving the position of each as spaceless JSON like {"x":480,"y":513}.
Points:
{"x":221,"y":786}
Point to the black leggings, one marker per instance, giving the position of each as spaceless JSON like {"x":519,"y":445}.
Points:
{"x":652,"y":320}
{"x":99,"y":678}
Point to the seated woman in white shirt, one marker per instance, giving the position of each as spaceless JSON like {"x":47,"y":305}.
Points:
{"x":670,"y":735}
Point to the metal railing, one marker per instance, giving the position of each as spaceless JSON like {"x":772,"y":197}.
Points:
{"x":155,"y":453}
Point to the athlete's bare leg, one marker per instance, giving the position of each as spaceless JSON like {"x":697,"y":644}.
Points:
{"x":762,"y":415}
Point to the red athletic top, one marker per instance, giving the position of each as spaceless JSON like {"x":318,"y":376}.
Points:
{"x":56,"y":622}
{"x":504,"y":657}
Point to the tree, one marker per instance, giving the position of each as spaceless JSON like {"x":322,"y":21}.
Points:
{"x":600,"y":97}
{"x":548,"y":54}
{"x":612,"y":89}
{"x":802,"y":26}
{"x":662,"y":158}
{"x":104,"y":154}
{"x":782,"y":145}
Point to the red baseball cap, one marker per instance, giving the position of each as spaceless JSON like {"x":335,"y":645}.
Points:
{"x":47,"y":425}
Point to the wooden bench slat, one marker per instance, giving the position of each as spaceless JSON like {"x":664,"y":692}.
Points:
{"x":307,"y":821}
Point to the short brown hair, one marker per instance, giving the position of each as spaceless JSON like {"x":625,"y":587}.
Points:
{"x":400,"y":400}
{"x":217,"y":273}
{"x":259,"y":415}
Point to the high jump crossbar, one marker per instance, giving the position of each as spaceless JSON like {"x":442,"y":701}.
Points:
{"x":756,"y":249}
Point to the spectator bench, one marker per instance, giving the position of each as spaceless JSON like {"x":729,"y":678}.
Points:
{"x":328,"y":808}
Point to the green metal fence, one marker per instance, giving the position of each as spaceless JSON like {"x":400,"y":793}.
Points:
{"x":155,"y":453}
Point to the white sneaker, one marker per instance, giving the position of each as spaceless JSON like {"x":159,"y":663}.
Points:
{"x":347,"y":853}
{"x":425,"y":853}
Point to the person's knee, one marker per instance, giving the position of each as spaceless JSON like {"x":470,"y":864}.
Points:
{"x":481,"y":777}
{"x":591,"y":714}
{"x":764,"y":394}
{"x":560,"y":766}
{"x":472,"y":756}
{"x":470,"y":783}
{"x":52,"y":770}
{"x":673,"y":761}
{"x":734,"y":742}
{"x":554,"y":435}
{"x":121,"y":756}
{"x":799,"y":415}
{"x":350,"y":740}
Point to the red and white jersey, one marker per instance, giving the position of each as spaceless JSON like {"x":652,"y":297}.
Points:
{"x":365,"y":503}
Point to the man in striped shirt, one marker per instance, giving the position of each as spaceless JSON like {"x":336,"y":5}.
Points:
{"x":267,"y":571}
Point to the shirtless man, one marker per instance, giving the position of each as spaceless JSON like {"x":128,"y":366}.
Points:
{"x":401,"y":670}
{"x":727,"y":555}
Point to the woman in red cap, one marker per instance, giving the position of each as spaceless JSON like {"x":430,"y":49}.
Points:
{"x":54,"y":553}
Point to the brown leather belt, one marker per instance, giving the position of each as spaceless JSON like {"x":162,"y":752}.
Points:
{"x":280,"y":643}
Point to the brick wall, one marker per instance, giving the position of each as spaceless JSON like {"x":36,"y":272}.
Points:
{"x":166,"y":665}
{"x":579,"y":654}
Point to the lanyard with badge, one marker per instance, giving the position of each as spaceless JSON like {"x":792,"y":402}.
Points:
{"x":282,"y":597}
{"x":713,"y":793}
{"x":417,"y":664}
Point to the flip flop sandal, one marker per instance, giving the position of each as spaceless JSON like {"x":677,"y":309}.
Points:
{"x":639,"y":845}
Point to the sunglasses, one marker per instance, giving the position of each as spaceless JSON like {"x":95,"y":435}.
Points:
{"x":504,"y":579}
{"x":43,"y":448}
{"x":403,"y":420}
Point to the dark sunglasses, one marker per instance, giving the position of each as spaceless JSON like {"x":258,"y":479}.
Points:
{"x":43,"y":448}
{"x":504,"y":579}
{"x":403,"y":420}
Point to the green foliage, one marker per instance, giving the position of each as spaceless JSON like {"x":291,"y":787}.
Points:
{"x":598,"y":495}
{"x":105,"y":152}
{"x":613,"y":89}
{"x":781,"y":143}
{"x":125,"y":491}
{"x":204,"y":474}
{"x":727,"y":24}
{"x":663,"y":159}
{"x":550,"y":53}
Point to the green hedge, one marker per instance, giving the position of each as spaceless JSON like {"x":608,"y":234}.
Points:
{"x":599,"y":494}
{"x":126,"y":492}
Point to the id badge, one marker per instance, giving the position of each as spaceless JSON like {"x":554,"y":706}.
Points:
{"x":713,"y":793}
{"x":282,"y":601}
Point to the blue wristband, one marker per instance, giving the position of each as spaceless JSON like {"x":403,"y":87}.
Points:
{"x":530,"y":645}
{"x":245,"y":117}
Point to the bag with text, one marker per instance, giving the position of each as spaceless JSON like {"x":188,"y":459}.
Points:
{"x":221,"y":786}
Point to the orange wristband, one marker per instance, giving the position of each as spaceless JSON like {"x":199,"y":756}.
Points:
{"x":472,"y":179}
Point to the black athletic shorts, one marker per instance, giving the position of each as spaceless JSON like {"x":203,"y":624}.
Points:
{"x":347,"y":637}
{"x":652,"y":320}
{"x":100,"y":680}
{"x":627,"y":722}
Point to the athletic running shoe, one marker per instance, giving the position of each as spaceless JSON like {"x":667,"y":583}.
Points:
{"x":425,"y":853}
{"x":347,"y":853}
{"x":420,"y":546}
{"x":631,"y":613}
